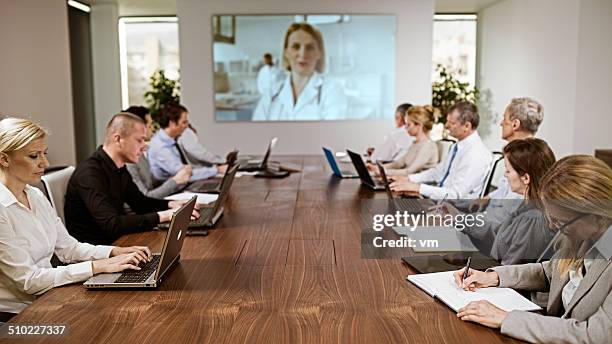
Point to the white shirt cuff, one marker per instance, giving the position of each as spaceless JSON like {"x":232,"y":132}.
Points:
{"x":427,"y":190}
{"x":103,"y":251}
{"x":73,"y":273}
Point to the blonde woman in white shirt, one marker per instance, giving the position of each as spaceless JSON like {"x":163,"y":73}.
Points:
{"x":31,"y":232}
{"x":423,"y":153}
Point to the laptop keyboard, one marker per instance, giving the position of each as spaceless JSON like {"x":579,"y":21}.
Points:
{"x":209,"y":187}
{"x":203,"y":219}
{"x":140,"y":276}
{"x":410,"y":205}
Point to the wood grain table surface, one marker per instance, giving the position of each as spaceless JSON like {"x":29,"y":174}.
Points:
{"x":283,"y":265}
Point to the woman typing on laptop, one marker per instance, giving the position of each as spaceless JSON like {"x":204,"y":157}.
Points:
{"x":576,"y":196}
{"x":423,"y":153}
{"x":31,"y":232}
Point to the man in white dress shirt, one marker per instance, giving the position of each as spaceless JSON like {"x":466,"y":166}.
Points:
{"x":397,"y":142}
{"x":522,"y":118}
{"x":461,"y":174}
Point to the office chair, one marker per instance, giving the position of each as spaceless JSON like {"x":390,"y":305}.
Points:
{"x":494,"y":173}
{"x":40,"y":186}
{"x":55,"y":184}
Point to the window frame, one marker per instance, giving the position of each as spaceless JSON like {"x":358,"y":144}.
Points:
{"x":123,"y":20}
{"x":475,"y":19}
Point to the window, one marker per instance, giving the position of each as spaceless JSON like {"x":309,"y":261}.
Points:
{"x":146,"y":44}
{"x":454,"y":45}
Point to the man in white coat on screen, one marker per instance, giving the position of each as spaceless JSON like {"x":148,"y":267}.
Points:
{"x":305,"y":94}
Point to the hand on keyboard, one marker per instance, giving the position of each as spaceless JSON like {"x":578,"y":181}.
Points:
{"x":142,"y":251}
{"x":128,"y":261}
{"x":140,"y":276}
{"x":166,"y":215}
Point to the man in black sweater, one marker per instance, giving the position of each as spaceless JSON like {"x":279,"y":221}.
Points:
{"x":99,"y":187}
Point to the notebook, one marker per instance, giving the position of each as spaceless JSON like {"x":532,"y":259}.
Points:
{"x":203,"y":198}
{"x":441,"y":285}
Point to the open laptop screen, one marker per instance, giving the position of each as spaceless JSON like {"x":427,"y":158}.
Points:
{"x":383,"y":175}
{"x":175,"y":236}
{"x":332,"y":162}
{"x":361,"y":168}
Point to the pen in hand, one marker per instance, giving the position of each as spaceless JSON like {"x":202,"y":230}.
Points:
{"x":439,"y":204}
{"x":467,"y":269}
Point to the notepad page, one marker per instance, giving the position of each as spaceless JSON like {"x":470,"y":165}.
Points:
{"x":443,"y":286}
{"x":203,"y":198}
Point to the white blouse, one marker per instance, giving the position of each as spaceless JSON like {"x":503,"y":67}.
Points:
{"x":602,"y":249}
{"x":28,"y":239}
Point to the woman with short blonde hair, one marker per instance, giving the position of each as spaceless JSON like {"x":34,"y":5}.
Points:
{"x":31,"y":232}
{"x":576,"y":195}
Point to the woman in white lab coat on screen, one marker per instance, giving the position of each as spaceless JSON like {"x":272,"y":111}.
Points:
{"x":305,"y":94}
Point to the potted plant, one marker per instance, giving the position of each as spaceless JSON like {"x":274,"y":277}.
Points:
{"x":447,"y":90}
{"x":163,"y":91}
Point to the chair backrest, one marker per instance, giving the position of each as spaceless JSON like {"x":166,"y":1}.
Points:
{"x":495,"y":171}
{"x":40,"y":186}
{"x":55,"y":184}
{"x":444,"y":146}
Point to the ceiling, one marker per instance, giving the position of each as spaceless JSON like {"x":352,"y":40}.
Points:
{"x":463,"y":6}
{"x":168,"y":7}
{"x":140,"y":7}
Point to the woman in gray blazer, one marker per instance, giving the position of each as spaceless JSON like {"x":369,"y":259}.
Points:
{"x":576,"y":196}
{"x":524,"y":236}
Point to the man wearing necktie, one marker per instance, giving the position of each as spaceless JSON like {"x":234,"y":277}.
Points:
{"x":166,"y":157}
{"x":460,"y":175}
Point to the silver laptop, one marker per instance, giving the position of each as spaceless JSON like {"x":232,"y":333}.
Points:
{"x":211,"y":214}
{"x":205,"y":185}
{"x":258,"y":165}
{"x":151,"y":273}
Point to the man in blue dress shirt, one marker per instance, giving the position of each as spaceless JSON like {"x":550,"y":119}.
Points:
{"x":166,"y":156}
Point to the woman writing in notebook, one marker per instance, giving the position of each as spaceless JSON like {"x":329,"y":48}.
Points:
{"x":31,"y":232}
{"x":423,"y":153}
{"x":576,"y":197}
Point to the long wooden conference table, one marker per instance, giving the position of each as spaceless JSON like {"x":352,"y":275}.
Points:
{"x":282,"y":266}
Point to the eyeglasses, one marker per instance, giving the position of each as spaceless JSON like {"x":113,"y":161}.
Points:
{"x":560,"y":226}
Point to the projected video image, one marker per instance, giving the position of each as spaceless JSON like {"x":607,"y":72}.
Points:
{"x":303,"y":67}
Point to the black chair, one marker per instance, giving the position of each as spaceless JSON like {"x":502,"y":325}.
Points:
{"x":493,"y":173}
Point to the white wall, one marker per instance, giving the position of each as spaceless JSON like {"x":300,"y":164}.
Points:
{"x":559,"y":52}
{"x":413,"y":68}
{"x":104,"y":23}
{"x":35,"y":70}
{"x":529,"y":48}
{"x":593,"y":122}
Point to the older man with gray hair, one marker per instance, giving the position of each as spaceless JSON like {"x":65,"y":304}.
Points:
{"x":522,"y":118}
